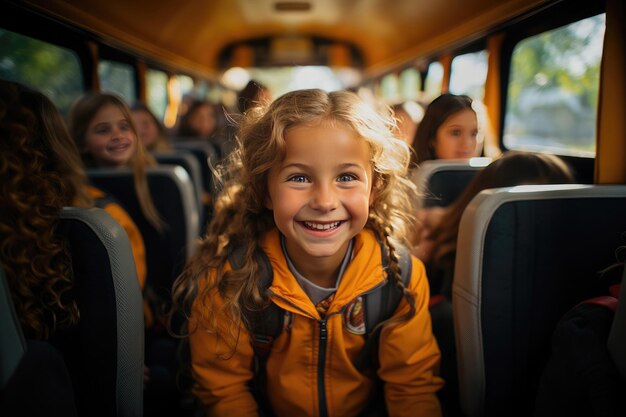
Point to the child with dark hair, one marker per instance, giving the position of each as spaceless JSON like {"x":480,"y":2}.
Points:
{"x":253,"y":94}
{"x":448,"y":130}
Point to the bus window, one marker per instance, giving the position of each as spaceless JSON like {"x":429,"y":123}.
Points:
{"x":389,"y":88}
{"x":30,"y":61}
{"x":156,"y":91}
{"x":119,"y":78}
{"x":410,"y":82}
{"x":281,"y":80}
{"x":553,"y":90}
{"x":200,"y":90}
{"x":186,"y":84}
{"x":434,"y":78}
{"x":468,"y":74}
{"x":216,"y":94}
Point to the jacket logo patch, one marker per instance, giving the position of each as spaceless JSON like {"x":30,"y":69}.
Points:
{"x":287,"y":321}
{"x":354,"y":317}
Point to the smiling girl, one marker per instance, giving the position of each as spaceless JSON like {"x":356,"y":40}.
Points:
{"x":103,"y":128}
{"x":318,"y":185}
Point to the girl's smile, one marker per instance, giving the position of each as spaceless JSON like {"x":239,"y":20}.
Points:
{"x":322,"y":227}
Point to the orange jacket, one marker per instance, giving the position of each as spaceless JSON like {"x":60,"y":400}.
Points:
{"x":408,"y":355}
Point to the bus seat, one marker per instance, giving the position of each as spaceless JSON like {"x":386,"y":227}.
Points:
{"x":525,"y":256}
{"x":221,"y":146}
{"x":441,"y":181}
{"x":33,"y":377}
{"x":617,"y":337}
{"x":207,"y":155}
{"x":104,"y":351}
{"x":12,"y":343}
{"x":190,"y":163}
{"x":172,"y":192}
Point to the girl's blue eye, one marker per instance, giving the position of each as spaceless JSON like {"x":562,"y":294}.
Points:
{"x":346,"y":177}
{"x":297,"y":178}
{"x":456,"y":132}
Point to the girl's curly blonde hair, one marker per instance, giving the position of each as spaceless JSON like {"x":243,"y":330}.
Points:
{"x":242,"y":219}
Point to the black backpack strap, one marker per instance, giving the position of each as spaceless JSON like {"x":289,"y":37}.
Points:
{"x":380,"y":305}
{"x":264,"y":325}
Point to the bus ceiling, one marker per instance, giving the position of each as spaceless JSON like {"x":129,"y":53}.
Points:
{"x":374,"y":36}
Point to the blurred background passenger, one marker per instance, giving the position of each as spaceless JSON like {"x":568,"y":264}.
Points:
{"x":408,"y":116}
{"x":200,"y":120}
{"x":40,"y":173}
{"x":448,"y":130}
{"x":102,"y":127}
{"x":512,"y":169}
{"x":252,"y":94}
{"x":204,"y":121}
{"x":150,"y":130}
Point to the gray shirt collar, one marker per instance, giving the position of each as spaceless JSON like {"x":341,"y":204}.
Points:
{"x":314,"y":291}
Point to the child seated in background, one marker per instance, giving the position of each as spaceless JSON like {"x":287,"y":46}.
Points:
{"x":448,"y":130}
{"x":102,"y":126}
{"x":105,"y":134}
{"x":150,"y":130}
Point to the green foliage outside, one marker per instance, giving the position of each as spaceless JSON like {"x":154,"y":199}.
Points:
{"x":553,"y":89}
{"x":54,"y":71}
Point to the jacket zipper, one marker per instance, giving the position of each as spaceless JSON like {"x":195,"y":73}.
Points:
{"x":321,"y":357}
{"x":323,"y":340}
{"x":321,"y":368}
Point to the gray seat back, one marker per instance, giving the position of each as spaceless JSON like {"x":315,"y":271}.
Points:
{"x":440,"y":182}
{"x":208,"y":157}
{"x":104,"y":351}
{"x":34,"y":379}
{"x":525,"y":256}
{"x":173,"y":195}
{"x":189,"y":162}
{"x":12,"y":343}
